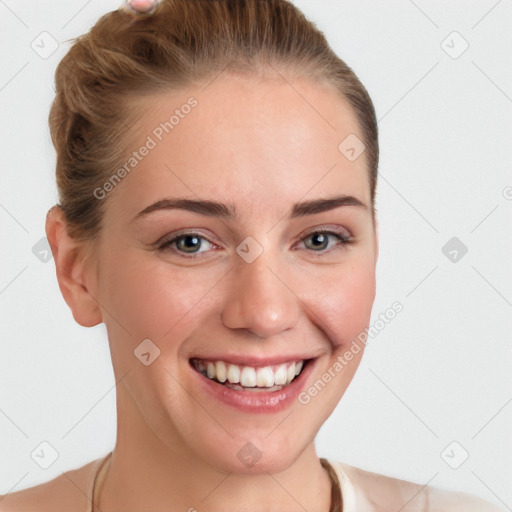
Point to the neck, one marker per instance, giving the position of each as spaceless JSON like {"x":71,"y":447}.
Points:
{"x":146,"y":473}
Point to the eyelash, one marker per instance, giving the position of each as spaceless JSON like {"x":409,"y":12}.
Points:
{"x":166,"y":244}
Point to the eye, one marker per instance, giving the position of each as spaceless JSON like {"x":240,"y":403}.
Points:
{"x":188,"y":244}
{"x":320,"y":240}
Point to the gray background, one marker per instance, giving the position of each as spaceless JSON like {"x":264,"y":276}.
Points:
{"x":437,"y":373}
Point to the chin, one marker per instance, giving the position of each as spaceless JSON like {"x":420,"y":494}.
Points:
{"x":260,"y":453}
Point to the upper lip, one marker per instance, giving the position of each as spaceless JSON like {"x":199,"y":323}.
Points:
{"x":254,"y":361}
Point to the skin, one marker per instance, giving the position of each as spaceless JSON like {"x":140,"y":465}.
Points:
{"x":268,"y":148}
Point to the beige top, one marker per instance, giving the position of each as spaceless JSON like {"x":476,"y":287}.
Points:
{"x":362,"y":491}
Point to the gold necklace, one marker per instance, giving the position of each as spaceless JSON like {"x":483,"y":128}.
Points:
{"x":336,"y":497}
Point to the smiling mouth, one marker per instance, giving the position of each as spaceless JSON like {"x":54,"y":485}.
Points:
{"x":249,"y":378}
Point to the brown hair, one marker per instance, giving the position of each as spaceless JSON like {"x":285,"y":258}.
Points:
{"x":184,"y":42}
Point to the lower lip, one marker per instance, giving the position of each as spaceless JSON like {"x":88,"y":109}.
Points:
{"x":256,"y":401}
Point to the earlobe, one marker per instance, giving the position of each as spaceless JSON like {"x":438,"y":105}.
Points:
{"x":72,"y":275}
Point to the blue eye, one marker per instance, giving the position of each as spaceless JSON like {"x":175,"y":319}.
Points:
{"x":189,"y":244}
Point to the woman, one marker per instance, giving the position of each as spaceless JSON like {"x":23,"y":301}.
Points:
{"x":217,"y":165}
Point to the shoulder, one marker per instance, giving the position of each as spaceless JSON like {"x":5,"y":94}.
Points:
{"x":66,"y":492}
{"x":382,"y":493}
{"x":442,"y":500}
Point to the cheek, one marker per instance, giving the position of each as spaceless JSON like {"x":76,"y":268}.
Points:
{"x":151,"y":299}
{"x":345,"y":302}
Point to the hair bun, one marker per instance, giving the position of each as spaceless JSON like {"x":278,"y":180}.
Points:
{"x":144,"y":7}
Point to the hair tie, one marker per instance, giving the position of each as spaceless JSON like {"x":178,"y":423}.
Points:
{"x":141,"y":7}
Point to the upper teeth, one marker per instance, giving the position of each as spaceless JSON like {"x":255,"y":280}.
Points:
{"x":248,"y":376}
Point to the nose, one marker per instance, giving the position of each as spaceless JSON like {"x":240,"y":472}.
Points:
{"x":260,"y":299}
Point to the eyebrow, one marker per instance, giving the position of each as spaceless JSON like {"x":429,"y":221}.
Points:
{"x":228,"y":211}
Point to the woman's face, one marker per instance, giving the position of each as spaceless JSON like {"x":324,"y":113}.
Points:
{"x":252,"y":283}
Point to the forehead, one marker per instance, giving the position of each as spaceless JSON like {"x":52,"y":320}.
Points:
{"x":251,"y":141}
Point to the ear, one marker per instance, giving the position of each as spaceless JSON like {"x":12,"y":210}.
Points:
{"x":73,"y":275}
